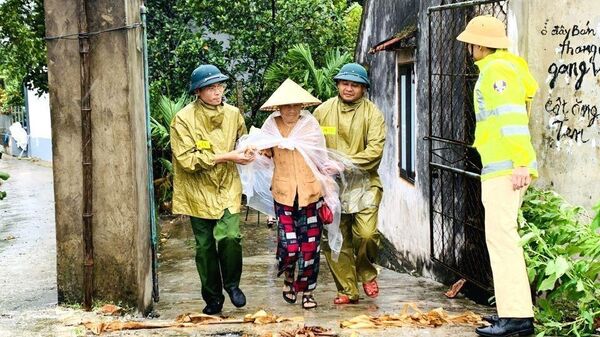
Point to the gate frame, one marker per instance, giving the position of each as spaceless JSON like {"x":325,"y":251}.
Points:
{"x":435,"y":167}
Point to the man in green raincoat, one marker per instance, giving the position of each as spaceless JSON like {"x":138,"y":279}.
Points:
{"x":207,"y":186}
{"x":353,"y":125}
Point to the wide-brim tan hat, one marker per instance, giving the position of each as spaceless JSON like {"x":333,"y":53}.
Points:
{"x":289,"y":92}
{"x":485,"y":31}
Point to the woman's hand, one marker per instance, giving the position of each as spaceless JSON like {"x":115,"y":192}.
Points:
{"x":333,"y":167}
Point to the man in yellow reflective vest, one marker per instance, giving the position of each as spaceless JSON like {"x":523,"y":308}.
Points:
{"x":502,"y":95}
{"x":353,"y":125}
{"x":207,"y":187}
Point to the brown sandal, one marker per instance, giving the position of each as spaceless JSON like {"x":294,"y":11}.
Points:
{"x":289,"y":295}
{"x":308,"y":302}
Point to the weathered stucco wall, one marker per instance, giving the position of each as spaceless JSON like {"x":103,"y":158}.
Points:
{"x":122,"y":260}
{"x":563,"y":54}
{"x":565,"y":124}
{"x":404,"y":212}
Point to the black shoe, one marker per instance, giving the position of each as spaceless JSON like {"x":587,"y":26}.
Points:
{"x":237,"y":297}
{"x":505,"y":327}
{"x":212,"y":308}
{"x":490,"y":319}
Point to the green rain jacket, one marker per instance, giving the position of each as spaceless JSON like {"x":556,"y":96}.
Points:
{"x":202,"y":188}
{"x":357,"y":130}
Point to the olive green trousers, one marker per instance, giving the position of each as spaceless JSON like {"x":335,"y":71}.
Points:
{"x":359,"y":252}
{"x":218,"y":254}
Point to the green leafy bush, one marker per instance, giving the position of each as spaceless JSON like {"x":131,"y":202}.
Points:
{"x":562,"y":251}
{"x":3,"y":176}
{"x":160,"y":122}
{"x":298,"y":64}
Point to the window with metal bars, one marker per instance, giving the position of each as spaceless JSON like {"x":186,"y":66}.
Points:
{"x":406,"y":121}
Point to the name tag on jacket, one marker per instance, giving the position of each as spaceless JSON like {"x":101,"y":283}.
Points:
{"x":203,"y":144}
{"x":329,"y":130}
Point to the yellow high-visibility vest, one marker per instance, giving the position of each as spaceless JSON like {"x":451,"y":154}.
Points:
{"x":502,"y":136}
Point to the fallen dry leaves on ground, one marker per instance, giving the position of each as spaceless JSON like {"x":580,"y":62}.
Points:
{"x":111,"y":310}
{"x":411,"y":316}
{"x":308,"y":331}
{"x":196,"y":318}
{"x":99,"y":327}
{"x":305,"y":331}
{"x":186,"y":320}
{"x":262,"y":317}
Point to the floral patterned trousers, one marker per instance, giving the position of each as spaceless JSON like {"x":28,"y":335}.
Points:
{"x":299,"y":242}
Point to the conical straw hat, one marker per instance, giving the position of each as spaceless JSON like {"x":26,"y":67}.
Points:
{"x":289,"y":92}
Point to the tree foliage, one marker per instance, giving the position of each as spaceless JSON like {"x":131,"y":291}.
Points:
{"x":243,"y":38}
{"x":176,"y":46}
{"x":300,"y":66}
{"x":23,"y":55}
{"x":352,"y":21}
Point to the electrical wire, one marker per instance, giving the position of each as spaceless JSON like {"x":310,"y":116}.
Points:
{"x":76,"y":36}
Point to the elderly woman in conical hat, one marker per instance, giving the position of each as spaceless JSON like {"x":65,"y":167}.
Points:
{"x":297,"y":193}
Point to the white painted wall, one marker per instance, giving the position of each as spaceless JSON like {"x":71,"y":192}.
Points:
{"x":40,"y":135}
{"x":404,"y":210}
{"x":404,"y":215}
{"x":39,"y":115}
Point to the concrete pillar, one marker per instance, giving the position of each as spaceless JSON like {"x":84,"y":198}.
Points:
{"x":121,"y":229}
{"x":561,"y":47}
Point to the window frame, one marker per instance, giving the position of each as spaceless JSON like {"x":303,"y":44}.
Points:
{"x":406,"y":113}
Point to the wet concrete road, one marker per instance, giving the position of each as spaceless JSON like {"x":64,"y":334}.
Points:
{"x":27,"y":242}
{"x":28,"y":277}
{"x":27,"y":261}
{"x":180,"y":288}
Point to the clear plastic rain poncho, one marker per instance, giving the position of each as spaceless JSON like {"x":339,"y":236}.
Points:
{"x":307,"y":138}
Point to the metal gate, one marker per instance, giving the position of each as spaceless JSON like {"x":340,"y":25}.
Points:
{"x":457,"y":215}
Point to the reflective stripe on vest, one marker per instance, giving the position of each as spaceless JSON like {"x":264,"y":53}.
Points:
{"x":515,"y":130}
{"x":501,"y":110}
{"x":497,"y":166}
{"x":502,"y":166}
{"x":480,"y":100}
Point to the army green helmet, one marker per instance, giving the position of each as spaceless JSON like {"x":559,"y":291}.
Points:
{"x":205,"y":75}
{"x":353,"y":72}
